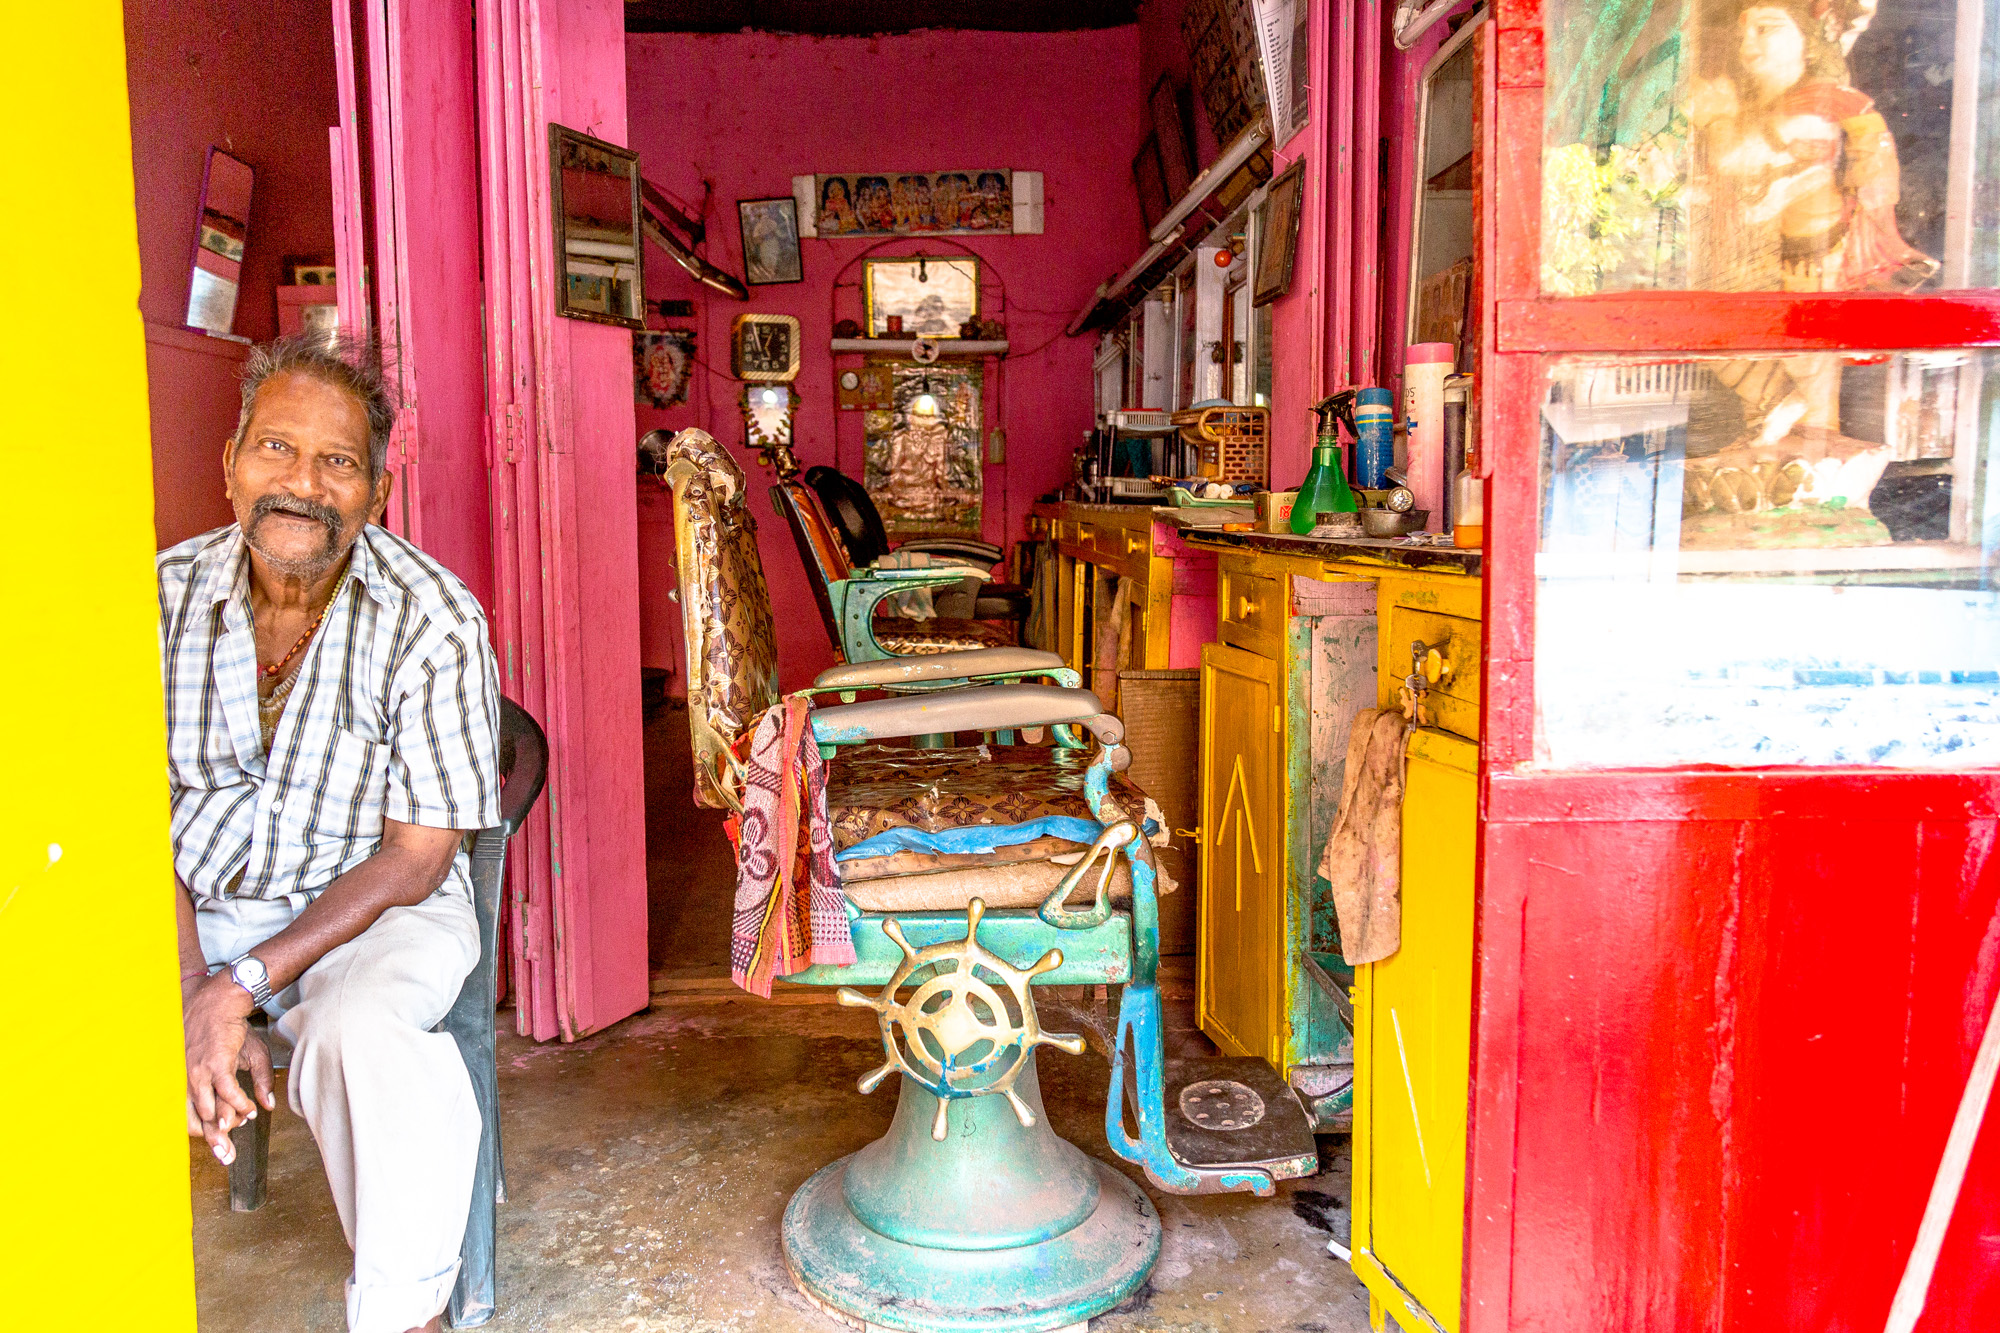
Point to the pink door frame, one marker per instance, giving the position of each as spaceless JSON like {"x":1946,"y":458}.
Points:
{"x":506,"y":419}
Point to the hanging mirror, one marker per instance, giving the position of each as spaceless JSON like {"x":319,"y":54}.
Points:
{"x":220,"y":234}
{"x":767,"y":418}
{"x":594,"y":206}
{"x":1441,"y":234}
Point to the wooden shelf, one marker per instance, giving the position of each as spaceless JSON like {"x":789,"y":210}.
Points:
{"x":904,"y":346}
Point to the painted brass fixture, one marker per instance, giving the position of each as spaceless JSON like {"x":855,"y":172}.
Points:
{"x":955,"y":1013}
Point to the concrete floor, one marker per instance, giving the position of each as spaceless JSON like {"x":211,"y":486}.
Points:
{"x":648,"y":1166}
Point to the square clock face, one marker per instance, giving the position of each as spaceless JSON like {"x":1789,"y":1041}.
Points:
{"x":765,"y":348}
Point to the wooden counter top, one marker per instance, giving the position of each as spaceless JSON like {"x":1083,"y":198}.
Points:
{"x":1367,"y":550}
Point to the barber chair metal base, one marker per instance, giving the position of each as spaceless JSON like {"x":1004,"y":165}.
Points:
{"x":997,"y":1228}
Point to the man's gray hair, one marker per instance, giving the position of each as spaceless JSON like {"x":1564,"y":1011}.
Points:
{"x":343,"y":362}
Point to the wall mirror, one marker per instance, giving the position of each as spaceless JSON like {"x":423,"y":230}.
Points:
{"x":220,"y":234}
{"x":767,"y":417}
{"x":594,"y":203}
{"x":1441,"y":239}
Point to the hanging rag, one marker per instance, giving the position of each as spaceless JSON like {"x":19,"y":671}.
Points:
{"x":1363,"y":861}
{"x":790,"y":913}
{"x":1113,"y":647}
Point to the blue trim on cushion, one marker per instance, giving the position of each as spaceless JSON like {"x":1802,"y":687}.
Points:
{"x":977,"y":839}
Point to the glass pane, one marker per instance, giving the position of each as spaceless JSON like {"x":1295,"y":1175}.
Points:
{"x":1777,"y":560}
{"x":1770,"y":145}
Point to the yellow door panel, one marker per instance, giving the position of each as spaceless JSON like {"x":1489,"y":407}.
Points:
{"x":1417,"y":1009}
{"x":1453,"y":698}
{"x":1240,"y":960}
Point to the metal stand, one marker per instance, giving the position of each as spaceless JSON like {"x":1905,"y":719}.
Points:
{"x":998,"y":1227}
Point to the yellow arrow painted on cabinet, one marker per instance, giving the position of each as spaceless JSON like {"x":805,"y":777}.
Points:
{"x":1244,"y":822}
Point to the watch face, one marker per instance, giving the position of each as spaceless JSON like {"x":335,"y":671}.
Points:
{"x":250,"y":970}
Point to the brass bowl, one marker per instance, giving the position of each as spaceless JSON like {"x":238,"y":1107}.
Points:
{"x":1388,"y":523}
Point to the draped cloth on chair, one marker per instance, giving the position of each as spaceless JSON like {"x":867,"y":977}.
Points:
{"x":790,"y":912}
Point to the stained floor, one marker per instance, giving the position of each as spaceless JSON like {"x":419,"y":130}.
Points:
{"x":648,"y":1166}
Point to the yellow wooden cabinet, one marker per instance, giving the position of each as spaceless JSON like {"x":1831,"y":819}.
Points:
{"x":1262,"y":967}
{"x":1240,"y":964}
{"x":1412,"y":1053}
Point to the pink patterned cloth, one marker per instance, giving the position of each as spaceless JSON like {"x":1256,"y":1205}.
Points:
{"x":790,"y":913}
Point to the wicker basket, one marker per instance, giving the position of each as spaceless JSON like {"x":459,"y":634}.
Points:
{"x":1233,"y":441}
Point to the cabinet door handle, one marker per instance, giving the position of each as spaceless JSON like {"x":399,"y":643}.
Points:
{"x":1191,"y":834}
{"x":1245,"y":608}
{"x":1133,"y":544}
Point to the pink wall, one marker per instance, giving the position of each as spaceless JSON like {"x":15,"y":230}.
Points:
{"x":744,"y":113}
{"x":201,"y":73}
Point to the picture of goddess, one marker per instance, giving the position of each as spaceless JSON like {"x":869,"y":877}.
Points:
{"x":1794,"y":188}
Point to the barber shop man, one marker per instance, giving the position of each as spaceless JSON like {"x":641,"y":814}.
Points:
{"x":332,"y":712}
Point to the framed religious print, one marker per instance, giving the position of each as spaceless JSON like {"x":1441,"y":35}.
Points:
{"x":662,"y":364}
{"x":1278,"y":234}
{"x":928,"y":296}
{"x":922,"y":461}
{"x":770,"y":241}
{"x":1767,"y":146}
{"x":764,"y":348}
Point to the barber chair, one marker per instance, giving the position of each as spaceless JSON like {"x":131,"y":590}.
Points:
{"x":847,"y":505}
{"x":850,"y":588}
{"x":524,"y":766}
{"x":971,"y":874}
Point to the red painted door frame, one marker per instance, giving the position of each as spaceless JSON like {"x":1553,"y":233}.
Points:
{"x":1723,"y":1017}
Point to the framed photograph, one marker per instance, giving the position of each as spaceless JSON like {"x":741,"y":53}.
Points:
{"x":929,"y":297}
{"x":770,"y":241}
{"x":1278,"y":234}
{"x":1172,"y":109}
{"x":764,"y":349}
{"x":594,"y":204}
{"x":662,"y":365}
{"x":1150,"y":179}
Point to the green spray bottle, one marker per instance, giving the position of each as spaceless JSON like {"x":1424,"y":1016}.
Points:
{"x":1325,"y":489}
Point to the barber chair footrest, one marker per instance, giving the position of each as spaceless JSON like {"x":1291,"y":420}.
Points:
{"x":1236,"y":1112}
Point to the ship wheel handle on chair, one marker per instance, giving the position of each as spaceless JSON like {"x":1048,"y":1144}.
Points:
{"x":963,"y":1034}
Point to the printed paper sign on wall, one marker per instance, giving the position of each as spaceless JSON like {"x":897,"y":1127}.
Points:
{"x":934,"y":203}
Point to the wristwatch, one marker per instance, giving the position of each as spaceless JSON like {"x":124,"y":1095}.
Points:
{"x":248,"y":972}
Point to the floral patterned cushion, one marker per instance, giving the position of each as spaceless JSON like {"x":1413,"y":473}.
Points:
{"x":871,"y":789}
{"x":726,"y":609}
{"x":911,"y":638}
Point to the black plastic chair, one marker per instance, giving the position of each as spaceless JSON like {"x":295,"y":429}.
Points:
{"x":524,"y":767}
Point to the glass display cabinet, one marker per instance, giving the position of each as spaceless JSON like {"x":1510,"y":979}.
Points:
{"x":1738,"y":782}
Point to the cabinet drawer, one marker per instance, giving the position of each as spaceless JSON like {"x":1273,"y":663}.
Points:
{"x":1121,"y":549}
{"x":1252,"y":610}
{"x":1453,"y":700}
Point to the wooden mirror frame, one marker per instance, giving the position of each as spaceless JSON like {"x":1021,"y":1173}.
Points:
{"x":559,"y":136}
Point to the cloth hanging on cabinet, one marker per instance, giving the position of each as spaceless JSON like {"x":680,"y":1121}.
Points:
{"x":1363,"y":860}
{"x":789,"y":912}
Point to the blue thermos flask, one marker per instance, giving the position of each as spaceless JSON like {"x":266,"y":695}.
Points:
{"x":1375,"y":424}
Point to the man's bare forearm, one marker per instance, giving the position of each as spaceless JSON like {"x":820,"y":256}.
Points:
{"x":406,"y":869}
{"x":193,"y":962}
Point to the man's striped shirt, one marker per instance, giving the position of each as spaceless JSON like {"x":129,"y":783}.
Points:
{"x":394,"y":713}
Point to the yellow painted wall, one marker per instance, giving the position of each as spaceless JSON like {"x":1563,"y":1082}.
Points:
{"x":93,"y":1153}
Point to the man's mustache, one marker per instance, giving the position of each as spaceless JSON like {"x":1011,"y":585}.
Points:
{"x":267,"y":505}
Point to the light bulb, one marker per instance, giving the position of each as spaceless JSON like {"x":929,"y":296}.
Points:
{"x":926,"y":405}
{"x":769,"y":397}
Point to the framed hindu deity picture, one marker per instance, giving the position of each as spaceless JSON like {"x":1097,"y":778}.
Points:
{"x":922,"y":459}
{"x":770,"y":241}
{"x":764,"y":348}
{"x":927,"y":296}
{"x":662,"y":365}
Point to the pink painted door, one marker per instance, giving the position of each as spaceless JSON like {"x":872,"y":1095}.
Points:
{"x":440,"y":170}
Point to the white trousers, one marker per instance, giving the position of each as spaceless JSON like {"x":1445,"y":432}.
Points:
{"x":389,"y":1101}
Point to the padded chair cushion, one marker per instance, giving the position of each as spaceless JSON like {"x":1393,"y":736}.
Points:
{"x":908,"y":638}
{"x":872,"y":789}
